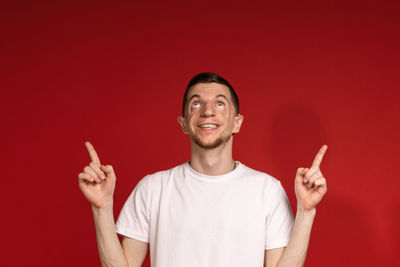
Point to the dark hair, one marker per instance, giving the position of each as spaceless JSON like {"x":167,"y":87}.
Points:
{"x":210,"y":77}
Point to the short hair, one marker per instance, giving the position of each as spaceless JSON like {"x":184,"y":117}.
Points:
{"x":210,"y":77}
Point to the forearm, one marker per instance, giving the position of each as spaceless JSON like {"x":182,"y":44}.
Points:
{"x":109,"y":246}
{"x":296,"y":251}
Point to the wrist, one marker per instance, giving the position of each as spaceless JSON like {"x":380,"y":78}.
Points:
{"x":306,"y":212}
{"x":103,"y":207}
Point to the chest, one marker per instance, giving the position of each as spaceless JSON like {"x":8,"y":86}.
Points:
{"x":213,"y":210}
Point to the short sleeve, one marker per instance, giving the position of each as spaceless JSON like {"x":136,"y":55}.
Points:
{"x":133,"y":220}
{"x":280,"y":219}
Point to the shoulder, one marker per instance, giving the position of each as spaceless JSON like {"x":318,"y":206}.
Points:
{"x":270,"y":186}
{"x":152,"y":184}
{"x":159,"y":176}
{"x":260,"y":176}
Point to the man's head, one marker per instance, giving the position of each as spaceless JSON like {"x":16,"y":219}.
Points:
{"x":209,"y":77}
{"x":210,"y":113}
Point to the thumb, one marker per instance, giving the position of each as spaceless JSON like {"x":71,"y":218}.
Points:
{"x":300,"y":174}
{"x":108,"y":170}
{"x":301,"y":171}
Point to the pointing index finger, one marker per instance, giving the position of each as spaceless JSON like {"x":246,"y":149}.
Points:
{"x":320,"y":155}
{"x":92,"y":153}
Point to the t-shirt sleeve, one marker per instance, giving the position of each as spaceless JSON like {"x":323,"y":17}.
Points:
{"x":134,"y":218}
{"x":279,"y":220}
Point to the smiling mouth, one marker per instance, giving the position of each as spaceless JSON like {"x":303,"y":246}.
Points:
{"x":208,"y":126}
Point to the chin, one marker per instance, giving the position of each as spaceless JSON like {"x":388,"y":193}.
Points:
{"x":210,"y":145}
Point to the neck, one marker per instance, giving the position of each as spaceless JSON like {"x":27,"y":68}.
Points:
{"x":216,"y":161}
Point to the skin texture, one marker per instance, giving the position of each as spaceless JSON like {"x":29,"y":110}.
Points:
{"x":97,"y":183}
{"x":211,"y":103}
{"x":211,"y":154}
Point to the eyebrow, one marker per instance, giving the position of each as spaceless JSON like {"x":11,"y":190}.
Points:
{"x":227,"y":100}
{"x":195,"y":95}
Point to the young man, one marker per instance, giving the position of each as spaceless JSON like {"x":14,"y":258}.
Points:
{"x":211,"y":211}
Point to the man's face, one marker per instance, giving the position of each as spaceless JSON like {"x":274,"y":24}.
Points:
{"x":210,"y":118}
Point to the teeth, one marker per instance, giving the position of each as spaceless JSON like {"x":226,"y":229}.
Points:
{"x":208,"y":126}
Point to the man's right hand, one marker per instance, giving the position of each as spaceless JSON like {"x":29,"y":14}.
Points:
{"x":97,"y":182}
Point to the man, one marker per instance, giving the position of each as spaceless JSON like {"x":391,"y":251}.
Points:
{"x":211,"y":211}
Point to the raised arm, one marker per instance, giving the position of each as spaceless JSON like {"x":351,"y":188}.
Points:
{"x":97,"y":183}
{"x":310,"y":188}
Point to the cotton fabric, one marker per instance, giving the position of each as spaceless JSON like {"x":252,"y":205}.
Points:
{"x":195,"y":220}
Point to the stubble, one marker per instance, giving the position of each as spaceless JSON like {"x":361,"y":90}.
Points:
{"x":219,"y":141}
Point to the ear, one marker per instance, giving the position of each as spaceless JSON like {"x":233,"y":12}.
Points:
{"x":182,"y":123}
{"x":237,"y":123}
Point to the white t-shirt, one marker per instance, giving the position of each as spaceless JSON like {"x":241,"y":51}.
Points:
{"x":194,"y":220}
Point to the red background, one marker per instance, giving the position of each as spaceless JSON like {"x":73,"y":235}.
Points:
{"x":307,"y":73}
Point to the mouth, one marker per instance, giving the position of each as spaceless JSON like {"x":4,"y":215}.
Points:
{"x":208,"y":126}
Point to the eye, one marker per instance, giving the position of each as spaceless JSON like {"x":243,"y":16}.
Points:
{"x":220,"y":105}
{"x":195,"y":104}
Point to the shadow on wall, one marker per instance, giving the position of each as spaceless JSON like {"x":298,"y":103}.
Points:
{"x":296,"y":134}
{"x":396,"y":232}
{"x":341,"y":233}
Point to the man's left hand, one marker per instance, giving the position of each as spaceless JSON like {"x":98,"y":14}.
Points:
{"x":310,"y":184}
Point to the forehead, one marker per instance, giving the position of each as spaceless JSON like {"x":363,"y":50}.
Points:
{"x":209,"y":90}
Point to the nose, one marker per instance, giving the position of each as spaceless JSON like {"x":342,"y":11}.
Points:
{"x":207,"y":110}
